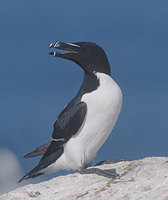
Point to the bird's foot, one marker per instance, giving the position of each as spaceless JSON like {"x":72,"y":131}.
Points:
{"x":109,"y":173}
{"x":110,"y":161}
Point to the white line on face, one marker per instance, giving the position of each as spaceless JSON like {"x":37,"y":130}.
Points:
{"x":75,"y":45}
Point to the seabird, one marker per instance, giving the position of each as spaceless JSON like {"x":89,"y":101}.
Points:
{"x":85,"y":123}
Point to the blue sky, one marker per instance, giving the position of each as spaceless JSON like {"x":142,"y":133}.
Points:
{"x":34,"y":86}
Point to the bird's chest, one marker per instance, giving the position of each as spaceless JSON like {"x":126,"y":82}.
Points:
{"x":103,"y":107}
{"x":104,"y":102}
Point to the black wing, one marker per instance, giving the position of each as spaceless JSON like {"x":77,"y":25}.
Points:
{"x":68,"y":123}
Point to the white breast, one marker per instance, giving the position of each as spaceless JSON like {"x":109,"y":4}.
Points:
{"x":103,"y":108}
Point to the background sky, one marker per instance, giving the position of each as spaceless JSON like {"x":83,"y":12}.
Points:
{"x":34,"y":86}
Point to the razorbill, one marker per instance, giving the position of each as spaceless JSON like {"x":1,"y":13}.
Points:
{"x":85,"y":123}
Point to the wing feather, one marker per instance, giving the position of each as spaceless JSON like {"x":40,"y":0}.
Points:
{"x":68,"y":123}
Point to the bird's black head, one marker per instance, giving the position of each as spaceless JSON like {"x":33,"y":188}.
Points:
{"x":88,"y":55}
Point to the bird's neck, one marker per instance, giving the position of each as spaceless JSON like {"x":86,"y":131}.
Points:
{"x":90,"y":83}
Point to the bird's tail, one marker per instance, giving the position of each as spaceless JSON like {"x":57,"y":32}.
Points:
{"x":31,"y":174}
{"x":38,"y":151}
{"x":45,"y":161}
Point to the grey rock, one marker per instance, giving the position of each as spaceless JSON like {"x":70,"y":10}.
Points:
{"x":138,"y":180}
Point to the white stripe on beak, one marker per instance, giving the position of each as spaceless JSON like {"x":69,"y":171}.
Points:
{"x":57,"y":44}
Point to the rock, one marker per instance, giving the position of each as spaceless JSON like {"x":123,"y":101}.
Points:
{"x":145,"y":179}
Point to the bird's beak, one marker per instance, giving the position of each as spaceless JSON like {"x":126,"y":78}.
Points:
{"x":70,"y":49}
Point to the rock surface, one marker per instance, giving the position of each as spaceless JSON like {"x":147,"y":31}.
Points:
{"x":145,"y":179}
